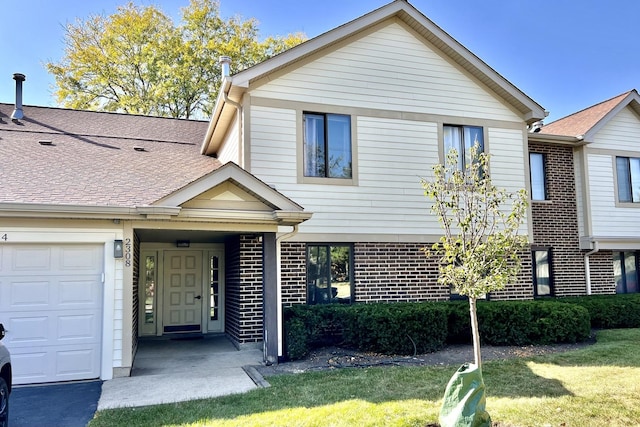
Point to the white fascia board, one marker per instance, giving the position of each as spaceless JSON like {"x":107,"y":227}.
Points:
{"x":33,"y":210}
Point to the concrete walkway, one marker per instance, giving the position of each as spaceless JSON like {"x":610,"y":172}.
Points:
{"x":167,"y":371}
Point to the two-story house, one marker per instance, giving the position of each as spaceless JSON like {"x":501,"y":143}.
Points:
{"x":304,"y":187}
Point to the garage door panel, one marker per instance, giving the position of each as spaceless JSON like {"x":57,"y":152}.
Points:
{"x":46,"y":364}
{"x":79,"y":292}
{"x":24,"y":294}
{"x":30,"y":259}
{"x":54,"y":316}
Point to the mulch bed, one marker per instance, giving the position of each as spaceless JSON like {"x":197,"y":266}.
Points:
{"x":330,"y":358}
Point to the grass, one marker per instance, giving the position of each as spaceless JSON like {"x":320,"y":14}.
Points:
{"x":595,"y":386}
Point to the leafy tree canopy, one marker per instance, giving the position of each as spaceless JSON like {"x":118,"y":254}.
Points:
{"x":138,"y":61}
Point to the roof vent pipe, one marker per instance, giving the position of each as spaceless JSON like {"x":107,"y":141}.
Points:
{"x":225,"y":64}
{"x":17,"y":112}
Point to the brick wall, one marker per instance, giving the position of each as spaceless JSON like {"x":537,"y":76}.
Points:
{"x":395,"y":272}
{"x":243,"y":320}
{"x":388,"y":272}
{"x":293,"y":272}
{"x":555,"y":221}
{"x":601,"y":266}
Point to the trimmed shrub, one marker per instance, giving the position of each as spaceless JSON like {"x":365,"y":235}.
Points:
{"x":532,"y":322}
{"x":396,"y":328}
{"x":410,"y":328}
{"x":610,"y":311}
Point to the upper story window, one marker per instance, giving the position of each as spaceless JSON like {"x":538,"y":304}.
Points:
{"x":462,"y":139}
{"x":628,"y":172}
{"x":538,"y":184}
{"x":327,"y":145}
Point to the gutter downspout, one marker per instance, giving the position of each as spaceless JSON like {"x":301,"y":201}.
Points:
{"x":587,"y":269}
{"x":279,"y":240}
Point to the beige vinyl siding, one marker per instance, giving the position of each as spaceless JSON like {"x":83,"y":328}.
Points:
{"x":507,"y":162}
{"x":620,"y":136}
{"x":622,"y":132}
{"x":389,"y":69}
{"x":393,"y":155}
{"x":273,"y":146}
{"x":229,"y":151}
{"x":607,"y":219}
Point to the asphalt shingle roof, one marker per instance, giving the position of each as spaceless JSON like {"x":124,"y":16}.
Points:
{"x":581,"y":122}
{"x":97,"y":159}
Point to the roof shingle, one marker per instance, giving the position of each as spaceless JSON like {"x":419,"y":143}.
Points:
{"x":97,"y":159}
{"x":581,"y":122}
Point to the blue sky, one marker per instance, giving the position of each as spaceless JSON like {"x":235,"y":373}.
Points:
{"x":565,"y":54}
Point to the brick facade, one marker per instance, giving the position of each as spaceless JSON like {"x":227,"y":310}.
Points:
{"x":244,"y":315}
{"x":392,"y":272}
{"x":601,"y":266}
{"x":555,"y":221}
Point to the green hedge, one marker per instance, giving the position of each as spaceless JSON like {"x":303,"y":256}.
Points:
{"x":610,"y":311}
{"x":532,"y":322}
{"x":408,"y":328}
{"x":396,"y":328}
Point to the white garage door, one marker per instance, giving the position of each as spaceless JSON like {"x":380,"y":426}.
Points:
{"x":51,"y":305}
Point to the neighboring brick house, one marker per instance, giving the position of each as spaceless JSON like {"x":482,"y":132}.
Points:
{"x":304,"y":187}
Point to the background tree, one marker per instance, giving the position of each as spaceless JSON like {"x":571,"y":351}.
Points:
{"x":138,"y":61}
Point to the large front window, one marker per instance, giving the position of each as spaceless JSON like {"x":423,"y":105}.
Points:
{"x":462,"y":139}
{"x":628,"y":172}
{"x":329,"y":274}
{"x":327,"y":145}
{"x":625,"y":272}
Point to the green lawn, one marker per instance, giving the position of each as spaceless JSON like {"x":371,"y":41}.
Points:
{"x":595,"y":386}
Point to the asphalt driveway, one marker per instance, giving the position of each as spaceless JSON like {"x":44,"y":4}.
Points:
{"x":57,"y":405}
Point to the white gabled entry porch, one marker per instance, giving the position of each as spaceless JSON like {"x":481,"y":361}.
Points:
{"x":205,"y":262}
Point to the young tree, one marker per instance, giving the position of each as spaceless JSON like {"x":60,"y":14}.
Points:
{"x":479,"y":251}
{"x":137,"y":61}
{"x":478,"y":254}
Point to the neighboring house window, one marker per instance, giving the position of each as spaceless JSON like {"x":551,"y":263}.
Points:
{"x":329,"y":274}
{"x":462,"y":138}
{"x":542,"y":279}
{"x":628,"y":172}
{"x":536,"y":167}
{"x":625,"y":272}
{"x":327,"y":145}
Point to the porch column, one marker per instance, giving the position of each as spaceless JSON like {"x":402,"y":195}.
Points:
{"x":270,"y":297}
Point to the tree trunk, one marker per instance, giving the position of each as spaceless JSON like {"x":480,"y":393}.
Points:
{"x":475,"y":332}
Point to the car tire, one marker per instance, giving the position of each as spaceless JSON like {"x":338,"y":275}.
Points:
{"x":4,"y":403}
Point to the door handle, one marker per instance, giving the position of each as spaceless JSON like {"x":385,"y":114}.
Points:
{"x":198,"y":297}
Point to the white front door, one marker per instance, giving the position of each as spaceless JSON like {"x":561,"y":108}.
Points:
{"x":183,"y":292}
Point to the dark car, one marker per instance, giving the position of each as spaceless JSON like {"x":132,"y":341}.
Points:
{"x":5,"y":381}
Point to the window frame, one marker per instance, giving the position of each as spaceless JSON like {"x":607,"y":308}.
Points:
{"x":629,"y":181}
{"x":329,"y":246}
{"x":545,"y":192}
{"x":534,"y":271}
{"x":462,"y":153}
{"x":302,"y":177}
